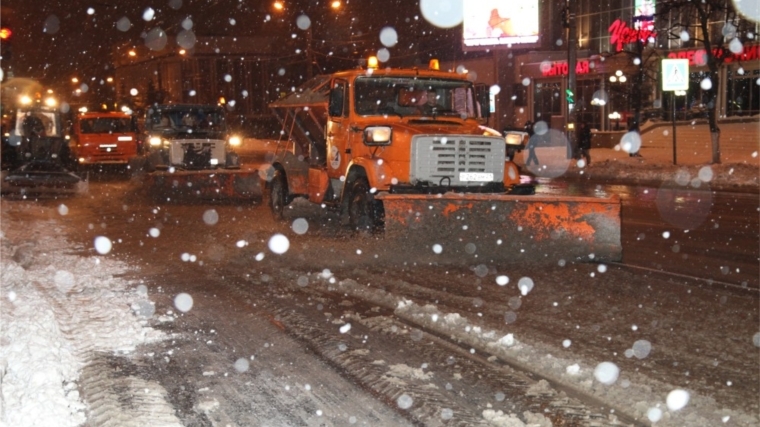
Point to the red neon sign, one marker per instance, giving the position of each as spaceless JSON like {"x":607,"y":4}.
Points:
{"x":621,"y":34}
{"x":560,"y":68}
{"x":698,"y":57}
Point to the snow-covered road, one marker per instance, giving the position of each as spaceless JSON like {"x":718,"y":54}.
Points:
{"x":336,"y":332}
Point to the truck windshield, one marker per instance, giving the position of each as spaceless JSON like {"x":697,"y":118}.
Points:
{"x":410,"y":96}
{"x":106,"y":125}
{"x":39,"y":123}
{"x":186,"y":120}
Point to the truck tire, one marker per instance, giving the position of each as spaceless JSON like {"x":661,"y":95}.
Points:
{"x":278,"y":195}
{"x":365,"y":214}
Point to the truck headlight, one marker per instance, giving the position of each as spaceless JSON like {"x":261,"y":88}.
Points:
{"x":155,"y":141}
{"x":514,"y":138}
{"x":235,"y":141}
{"x":377,"y":135}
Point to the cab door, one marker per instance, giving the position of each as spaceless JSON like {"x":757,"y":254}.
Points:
{"x":337,"y":130}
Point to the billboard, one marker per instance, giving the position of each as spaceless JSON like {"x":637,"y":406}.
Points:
{"x":643,"y":17}
{"x":493,"y":23}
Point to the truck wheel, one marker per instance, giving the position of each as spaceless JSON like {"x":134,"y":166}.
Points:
{"x":364,"y":212}
{"x":278,"y":197}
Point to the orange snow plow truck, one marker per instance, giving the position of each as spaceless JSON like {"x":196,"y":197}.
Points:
{"x":404,"y":152}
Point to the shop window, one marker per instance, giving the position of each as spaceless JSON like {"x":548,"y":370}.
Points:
{"x":548,"y":102}
{"x":585,"y":112}
{"x":743,"y":93}
{"x":520,"y":94}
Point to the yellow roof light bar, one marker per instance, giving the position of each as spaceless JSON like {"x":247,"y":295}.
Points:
{"x":434,"y":64}
{"x":372,"y":62}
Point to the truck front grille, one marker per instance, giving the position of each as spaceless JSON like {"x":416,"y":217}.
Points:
{"x":457,"y":160}
{"x":215,"y":147}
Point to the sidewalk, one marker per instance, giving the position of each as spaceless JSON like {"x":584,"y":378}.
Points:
{"x":739,"y":168}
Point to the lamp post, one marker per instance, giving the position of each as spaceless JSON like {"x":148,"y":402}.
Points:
{"x":615,"y":116}
{"x":615,"y":81}
{"x":675,"y":94}
{"x":572,"y":46}
{"x":304,"y":23}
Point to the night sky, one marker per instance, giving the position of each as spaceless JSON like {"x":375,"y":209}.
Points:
{"x":56,"y":40}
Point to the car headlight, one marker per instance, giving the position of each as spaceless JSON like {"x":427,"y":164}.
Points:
{"x":377,"y":135}
{"x":155,"y":141}
{"x":235,"y":141}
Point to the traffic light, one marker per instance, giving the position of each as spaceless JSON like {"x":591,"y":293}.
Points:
{"x":569,"y":96}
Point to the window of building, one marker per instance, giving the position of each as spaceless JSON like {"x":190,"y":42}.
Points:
{"x":586,"y":112}
{"x":743,"y":93}
{"x":548,"y":102}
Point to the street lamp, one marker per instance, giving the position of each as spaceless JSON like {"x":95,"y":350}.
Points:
{"x":304,"y":23}
{"x":619,"y":77}
{"x":615,"y":116}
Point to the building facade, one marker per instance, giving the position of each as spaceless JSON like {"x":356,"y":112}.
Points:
{"x":619,"y":52}
{"x":232,"y":71}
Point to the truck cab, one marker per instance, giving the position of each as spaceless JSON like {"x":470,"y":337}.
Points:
{"x":351,"y":135}
{"x":189,"y":137}
{"x":104,"y":138}
{"x":37,"y":135}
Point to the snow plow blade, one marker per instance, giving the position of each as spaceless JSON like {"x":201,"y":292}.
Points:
{"x":205,"y":185}
{"x":506,"y":227}
{"x":36,"y":179}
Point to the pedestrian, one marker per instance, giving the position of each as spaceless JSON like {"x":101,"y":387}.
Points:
{"x":584,"y":143}
{"x":532,"y":158}
{"x":636,"y":153}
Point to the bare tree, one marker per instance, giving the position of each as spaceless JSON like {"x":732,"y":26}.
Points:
{"x":713,"y":24}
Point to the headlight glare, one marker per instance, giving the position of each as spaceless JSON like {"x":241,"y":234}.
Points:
{"x":235,"y":141}
{"x":377,"y":135}
{"x":155,"y":141}
{"x":514,"y":139}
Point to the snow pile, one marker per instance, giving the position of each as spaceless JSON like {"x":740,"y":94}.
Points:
{"x":56,"y":312}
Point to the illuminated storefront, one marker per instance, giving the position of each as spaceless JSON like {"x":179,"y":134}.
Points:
{"x":618,"y":57}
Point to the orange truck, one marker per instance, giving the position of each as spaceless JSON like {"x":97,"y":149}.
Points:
{"x":100,"y":138}
{"x":406,"y":152}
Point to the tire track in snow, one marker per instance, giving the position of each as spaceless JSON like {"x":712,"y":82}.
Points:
{"x":430,"y":396}
{"x":89,"y":312}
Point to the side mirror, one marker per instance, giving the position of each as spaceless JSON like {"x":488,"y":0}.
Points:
{"x":483,"y":97}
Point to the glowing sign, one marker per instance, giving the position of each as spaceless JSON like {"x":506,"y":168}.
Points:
{"x":643,"y":18}
{"x":561,"y":68}
{"x":621,"y":34}
{"x":489,"y":23}
{"x":698,"y":57}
